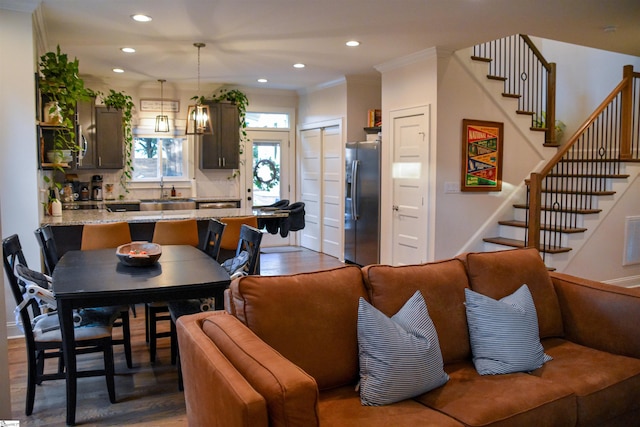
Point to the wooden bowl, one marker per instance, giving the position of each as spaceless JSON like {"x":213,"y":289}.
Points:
{"x":139,"y":254}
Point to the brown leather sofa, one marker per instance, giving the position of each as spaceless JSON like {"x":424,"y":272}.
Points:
{"x":285,"y":352}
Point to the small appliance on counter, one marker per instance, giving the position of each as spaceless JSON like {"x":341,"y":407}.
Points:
{"x":96,"y":187}
{"x":84,"y":191}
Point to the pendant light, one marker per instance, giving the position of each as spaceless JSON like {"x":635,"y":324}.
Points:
{"x":198,"y":115}
{"x":162,"y":121}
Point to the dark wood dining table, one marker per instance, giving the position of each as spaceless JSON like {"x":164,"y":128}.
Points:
{"x":97,"y":278}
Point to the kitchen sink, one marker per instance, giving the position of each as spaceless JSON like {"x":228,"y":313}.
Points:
{"x":166,"y":204}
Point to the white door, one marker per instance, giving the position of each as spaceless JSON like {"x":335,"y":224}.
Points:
{"x":310,"y":155}
{"x":409,"y":136}
{"x":332,"y":183}
{"x":267,"y":174}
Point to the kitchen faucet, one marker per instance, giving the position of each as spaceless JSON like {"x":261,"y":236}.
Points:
{"x":162,"y":187}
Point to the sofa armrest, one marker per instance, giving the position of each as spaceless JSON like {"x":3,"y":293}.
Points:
{"x":599,"y":315}
{"x":290,"y":393}
{"x":216,"y":394}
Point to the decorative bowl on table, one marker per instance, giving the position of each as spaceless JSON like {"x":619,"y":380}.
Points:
{"x":139,"y":254}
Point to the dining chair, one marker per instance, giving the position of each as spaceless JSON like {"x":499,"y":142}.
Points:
{"x":171,"y":232}
{"x":231,"y":235}
{"x":44,"y":339}
{"x":213,"y":238}
{"x":94,"y":236}
{"x":105,"y":235}
{"x":249,"y":240}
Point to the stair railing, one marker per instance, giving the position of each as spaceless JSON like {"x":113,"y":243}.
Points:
{"x":559,"y":192}
{"x":527,"y":75}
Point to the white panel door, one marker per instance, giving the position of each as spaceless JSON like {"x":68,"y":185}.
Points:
{"x":410,"y":174}
{"x":311,"y":187}
{"x":332,"y":182}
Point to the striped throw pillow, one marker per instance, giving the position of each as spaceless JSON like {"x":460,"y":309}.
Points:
{"x":504,"y":334}
{"x":399,"y":356}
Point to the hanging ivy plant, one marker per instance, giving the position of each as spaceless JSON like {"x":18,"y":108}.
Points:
{"x":124,"y":102}
{"x":239,"y":98}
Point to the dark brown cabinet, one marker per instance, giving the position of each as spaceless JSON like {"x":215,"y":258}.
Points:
{"x":100,"y":137}
{"x":221,"y":150}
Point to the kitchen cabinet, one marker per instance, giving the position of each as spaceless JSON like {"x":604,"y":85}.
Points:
{"x":100,"y":137}
{"x":222,"y":149}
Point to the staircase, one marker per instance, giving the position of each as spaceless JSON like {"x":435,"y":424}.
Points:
{"x":581,"y":182}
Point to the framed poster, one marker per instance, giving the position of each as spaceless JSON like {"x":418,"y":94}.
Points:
{"x":481,"y":155}
{"x":167,"y":105}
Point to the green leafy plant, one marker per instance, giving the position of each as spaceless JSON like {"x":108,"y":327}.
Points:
{"x":123,"y":102}
{"x":540,"y":121}
{"x":61,"y":85}
{"x":239,"y":98}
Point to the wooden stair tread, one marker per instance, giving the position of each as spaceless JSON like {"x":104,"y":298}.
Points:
{"x":545,"y":208}
{"x":586,"y":175}
{"x":525,"y":113}
{"x":481,"y":59}
{"x":522,"y":224}
{"x":499,"y":78}
{"x":586,"y":193}
{"x":511,"y":95}
{"x":514,"y":243}
{"x":537,"y":129}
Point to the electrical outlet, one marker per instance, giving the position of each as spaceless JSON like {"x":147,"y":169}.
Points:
{"x":451,"y":187}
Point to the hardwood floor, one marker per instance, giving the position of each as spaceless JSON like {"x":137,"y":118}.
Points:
{"x":147,"y":395}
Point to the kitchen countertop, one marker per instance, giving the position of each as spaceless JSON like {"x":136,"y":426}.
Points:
{"x":95,"y":216}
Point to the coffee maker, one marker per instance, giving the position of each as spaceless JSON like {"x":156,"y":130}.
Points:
{"x":96,"y":187}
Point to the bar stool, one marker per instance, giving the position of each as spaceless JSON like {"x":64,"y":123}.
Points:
{"x":176,"y":232}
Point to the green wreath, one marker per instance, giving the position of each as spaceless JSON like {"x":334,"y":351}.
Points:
{"x":274,"y":174}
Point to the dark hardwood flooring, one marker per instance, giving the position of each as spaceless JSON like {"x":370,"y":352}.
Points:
{"x":147,"y":395}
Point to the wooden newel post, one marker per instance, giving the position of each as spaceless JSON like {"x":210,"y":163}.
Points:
{"x":626,"y":113}
{"x":535,"y":198}
{"x":551,"y":137}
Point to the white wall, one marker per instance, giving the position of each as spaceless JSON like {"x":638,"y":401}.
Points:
{"x":406,"y":83}
{"x":18,"y":175}
{"x":585,"y":76}
{"x":324,"y":103}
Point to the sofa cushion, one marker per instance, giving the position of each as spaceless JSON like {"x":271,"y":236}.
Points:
{"x":399,"y":356}
{"x":442,"y":285}
{"x":310,"y":318}
{"x":291,"y":394}
{"x":502,"y":400}
{"x":497,"y":274}
{"x":605,"y":385}
{"x":504,"y":333}
{"x":341,"y":406}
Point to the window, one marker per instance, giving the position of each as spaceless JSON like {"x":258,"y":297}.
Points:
{"x":267,"y":120}
{"x":158,"y":157}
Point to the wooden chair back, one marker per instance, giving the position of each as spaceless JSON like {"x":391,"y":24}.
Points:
{"x":213,"y":238}
{"x":44,"y":236}
{"x":103,"y":236}
{"x":176,"y":232}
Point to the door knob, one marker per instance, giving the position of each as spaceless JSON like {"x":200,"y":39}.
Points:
{"x":395,"y":208}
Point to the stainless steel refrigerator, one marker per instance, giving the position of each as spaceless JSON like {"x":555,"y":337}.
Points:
{"x":362,"y":204}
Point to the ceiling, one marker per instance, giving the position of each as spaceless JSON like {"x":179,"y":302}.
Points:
{"x":251,"y":39}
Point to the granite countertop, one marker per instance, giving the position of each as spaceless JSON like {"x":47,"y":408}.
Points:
{"x":95,"y":216}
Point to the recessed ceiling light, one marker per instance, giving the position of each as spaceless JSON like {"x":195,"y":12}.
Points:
{"x":353,"y":43}
{"x":127,"y":49}
{"x":262,"y":80}
{"x":298,"y":65}
{"x":141,"y":18}
{"x":118,"y":70}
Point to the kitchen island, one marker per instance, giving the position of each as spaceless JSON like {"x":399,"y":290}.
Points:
{"x":67,"y":229}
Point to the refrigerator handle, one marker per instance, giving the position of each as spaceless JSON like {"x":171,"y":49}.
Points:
{"x":354,"y":189}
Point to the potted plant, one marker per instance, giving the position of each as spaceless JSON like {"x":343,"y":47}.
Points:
{"x":61,"y":88}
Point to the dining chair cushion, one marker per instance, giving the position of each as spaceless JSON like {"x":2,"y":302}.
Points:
{"x":176,"y":232}
{"x":102,"y":236}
